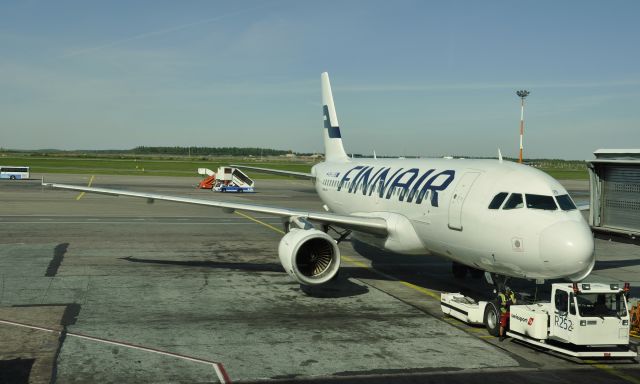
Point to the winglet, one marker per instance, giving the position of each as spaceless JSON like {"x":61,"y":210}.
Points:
{"x":499,"y":155}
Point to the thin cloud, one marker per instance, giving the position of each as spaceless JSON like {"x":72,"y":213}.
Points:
{"x":160,"y":32}
{"x":482,"y":86}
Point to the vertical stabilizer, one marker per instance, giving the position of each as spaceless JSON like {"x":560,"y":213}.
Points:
{"x":333,"y":149}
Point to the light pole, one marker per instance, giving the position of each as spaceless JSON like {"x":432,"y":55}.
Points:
{"x":522,"y":94}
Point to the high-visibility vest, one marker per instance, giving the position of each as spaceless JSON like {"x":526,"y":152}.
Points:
{"x":504,"y":302}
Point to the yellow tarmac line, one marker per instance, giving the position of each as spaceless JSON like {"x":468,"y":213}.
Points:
{"x":356,"y":262}
{"x":82,"y":193}
{"x":426,"y":291}
{"x":260,"y":222}
{"x":612,"y":371}
{"x":463,"y":325}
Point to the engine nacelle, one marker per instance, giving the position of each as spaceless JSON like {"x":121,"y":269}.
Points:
{"x":310,"y":256}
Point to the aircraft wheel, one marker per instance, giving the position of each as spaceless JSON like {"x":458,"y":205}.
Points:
{"x":459,"y":271}
{"x":492,"y":319}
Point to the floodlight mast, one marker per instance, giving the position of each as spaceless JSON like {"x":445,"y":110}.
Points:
{"x":522,"y":94}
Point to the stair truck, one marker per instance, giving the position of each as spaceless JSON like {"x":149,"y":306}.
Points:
{"x":583,"y":320}
{"x":227,"y":179}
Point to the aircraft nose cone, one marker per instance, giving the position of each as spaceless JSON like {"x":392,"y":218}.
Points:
{"x":566,"y":248}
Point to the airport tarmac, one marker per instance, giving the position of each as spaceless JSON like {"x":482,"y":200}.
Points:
{"x":111,"y":289}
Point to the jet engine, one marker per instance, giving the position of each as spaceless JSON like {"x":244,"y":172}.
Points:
{"x":310,"y":256}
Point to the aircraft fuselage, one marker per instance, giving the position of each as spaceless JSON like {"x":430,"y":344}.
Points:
{"x":446,"y":203}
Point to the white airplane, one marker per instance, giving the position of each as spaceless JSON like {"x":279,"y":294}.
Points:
{"x":504,"y":218}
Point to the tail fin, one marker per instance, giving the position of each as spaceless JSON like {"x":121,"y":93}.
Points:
{"x":333,"y":149}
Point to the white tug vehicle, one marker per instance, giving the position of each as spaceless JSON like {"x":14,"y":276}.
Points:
{"x":583,"y":320}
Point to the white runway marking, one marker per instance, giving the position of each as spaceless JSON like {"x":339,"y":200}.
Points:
{"x":221,"y":373}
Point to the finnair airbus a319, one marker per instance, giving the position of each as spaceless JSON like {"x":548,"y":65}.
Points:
{"x":508,"y":219}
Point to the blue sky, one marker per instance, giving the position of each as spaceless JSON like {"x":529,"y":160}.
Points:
{"x":409,"y":77}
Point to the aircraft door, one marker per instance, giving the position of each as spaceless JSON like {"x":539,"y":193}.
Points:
{"x":457,"y":199}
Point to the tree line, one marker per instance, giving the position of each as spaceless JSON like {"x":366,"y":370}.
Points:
{"x":208,"y":151}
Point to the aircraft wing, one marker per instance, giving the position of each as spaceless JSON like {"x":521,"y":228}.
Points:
{"x":377,"y":226}
{"x":298,"y":175}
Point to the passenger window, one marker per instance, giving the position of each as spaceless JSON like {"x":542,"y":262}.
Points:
{"x":562,"y":300}
{"x":540,"y":202}
{"x":498,"y":200}
{"x":565,"y":203}
{"x":514,"y":202}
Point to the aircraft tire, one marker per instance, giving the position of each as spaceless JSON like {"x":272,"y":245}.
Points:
{"x":492,"y":319}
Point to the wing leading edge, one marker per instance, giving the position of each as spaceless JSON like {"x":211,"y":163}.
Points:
{"x":371,"y":225}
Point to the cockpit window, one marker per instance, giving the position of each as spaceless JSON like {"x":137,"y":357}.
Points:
{"x":565,"y":203}
{"x":541,"y":202}
{"x":497,"y":200}
{"x":514,"y":202}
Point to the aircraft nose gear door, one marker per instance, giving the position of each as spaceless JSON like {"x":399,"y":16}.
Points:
{"x":457,"y":199}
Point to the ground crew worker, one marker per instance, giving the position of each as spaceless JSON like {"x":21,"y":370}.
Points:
{"x":506,"y":299}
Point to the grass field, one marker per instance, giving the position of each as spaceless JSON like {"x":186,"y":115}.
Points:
{"x":187,"y":167}
{"x":146,"y":167}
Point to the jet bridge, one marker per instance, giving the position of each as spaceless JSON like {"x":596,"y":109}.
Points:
{"x":615,"y":191}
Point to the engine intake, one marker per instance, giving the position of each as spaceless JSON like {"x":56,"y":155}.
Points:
{"x":310,"y":256}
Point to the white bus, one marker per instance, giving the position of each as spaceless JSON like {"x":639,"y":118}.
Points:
{"x":13,"y":173}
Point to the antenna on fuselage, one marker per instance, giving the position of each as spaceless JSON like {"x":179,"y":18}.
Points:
{"x":499,"y":155}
